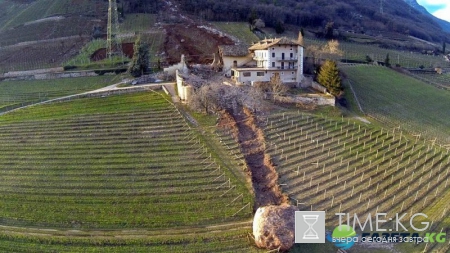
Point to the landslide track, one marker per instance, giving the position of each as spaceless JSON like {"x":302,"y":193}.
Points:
{"x":264,"y":177}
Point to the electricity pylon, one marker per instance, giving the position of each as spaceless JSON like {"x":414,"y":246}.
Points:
{"x":381,"y":7}
{"x":112,"y":44}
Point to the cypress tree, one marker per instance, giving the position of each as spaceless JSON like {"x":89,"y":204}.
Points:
{"x":329,"y":77}
{"x":140,"y":61}
{"x":387,"y":61}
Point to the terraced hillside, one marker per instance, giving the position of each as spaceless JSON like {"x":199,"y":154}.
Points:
{"x":129,"y":164}
{"x":439,"y":80}
{"x":239,"y":30}
{"x":47,"y":34}
{"x":14,"y":94}
{"x":20,"y":13}
{"x":399,"y":100}
{"x":340,"y":166}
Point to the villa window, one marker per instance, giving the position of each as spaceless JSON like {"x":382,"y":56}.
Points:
{"x":259,"y":73}
{"x":246,"y":74}
{"x":273,"y":64}
{"x":273,"y":55}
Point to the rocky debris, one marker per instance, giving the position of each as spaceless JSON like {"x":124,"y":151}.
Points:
{"x":274,"y":227}
{"x":262,"y":170}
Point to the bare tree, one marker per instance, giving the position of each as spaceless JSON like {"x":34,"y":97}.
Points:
{"x":332,"y":47}
{"x":277,"y":86}
{"x":211,"y":98}
{"x":250,"y":97}
{"x":259,"y":23}
{"x":214,"y":97}
{"x":203,"y":99}
{"x":315,"y":52}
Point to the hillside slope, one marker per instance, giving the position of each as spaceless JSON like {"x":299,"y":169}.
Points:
{"x":357,"y":15}
{"x":22,"y":12}
{"x":444,"y":24}
{"x":125,"y":170}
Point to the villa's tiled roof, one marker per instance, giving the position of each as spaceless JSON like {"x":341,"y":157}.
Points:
{"x":266,"y":43}
{"x":234,"y":50}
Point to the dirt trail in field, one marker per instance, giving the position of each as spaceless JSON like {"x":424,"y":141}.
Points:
{"x":262,"y":171}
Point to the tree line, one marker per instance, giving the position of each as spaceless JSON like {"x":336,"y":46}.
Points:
{"x":138,"y":6}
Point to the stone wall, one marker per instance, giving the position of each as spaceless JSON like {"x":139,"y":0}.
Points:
{"x":41,"y":75}
{"x":184,"y":90}
{"x":32,"y":72}
{"x":316,"y":100}
{"x":308,"y":82}
{"x":307,"y":99}
{"x":319,"y":87}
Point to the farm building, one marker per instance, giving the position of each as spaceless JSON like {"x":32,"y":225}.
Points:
{"x":268,"y":56}
{"x":232,"y":56}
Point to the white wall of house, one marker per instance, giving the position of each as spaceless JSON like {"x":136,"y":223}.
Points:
{"x":299,"y":76}
{"x":246,"y":76}
{"x":262,"y":58}
{"x":228,"y":62}
{"x":289,"y":76}
{"x":279,"y":52}
{"x":284,"y":59}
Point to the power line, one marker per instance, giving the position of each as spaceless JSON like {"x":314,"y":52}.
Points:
{"x":381,"y":7}
{"x":112,"y":45}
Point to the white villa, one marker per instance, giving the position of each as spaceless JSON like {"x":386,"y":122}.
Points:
{"x":263,"y":59}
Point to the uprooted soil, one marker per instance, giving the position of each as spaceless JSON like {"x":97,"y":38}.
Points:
{"x":100,"y":54}
{"x":250,"y":136}
{"x":197,"y":44}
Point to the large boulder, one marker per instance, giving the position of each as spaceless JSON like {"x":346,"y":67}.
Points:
{"x":274,"y":227}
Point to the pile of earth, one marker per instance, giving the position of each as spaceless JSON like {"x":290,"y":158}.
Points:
{"x":198,"y":44}
{"x":100,"y":54}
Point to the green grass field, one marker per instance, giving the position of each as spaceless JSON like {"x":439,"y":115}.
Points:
{"x":238,"y":29}
{"x":134,"y":23}
{"x":346,"y":167}
{"x":84,"y":57}
{"x":439,"y":80}
{"x":18,"y":93}
{"x":137,"y":22}
{"x":130,"y":164}
{"x":398,"y":100}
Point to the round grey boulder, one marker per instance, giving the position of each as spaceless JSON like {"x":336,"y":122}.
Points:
{"x":274,"y":227}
